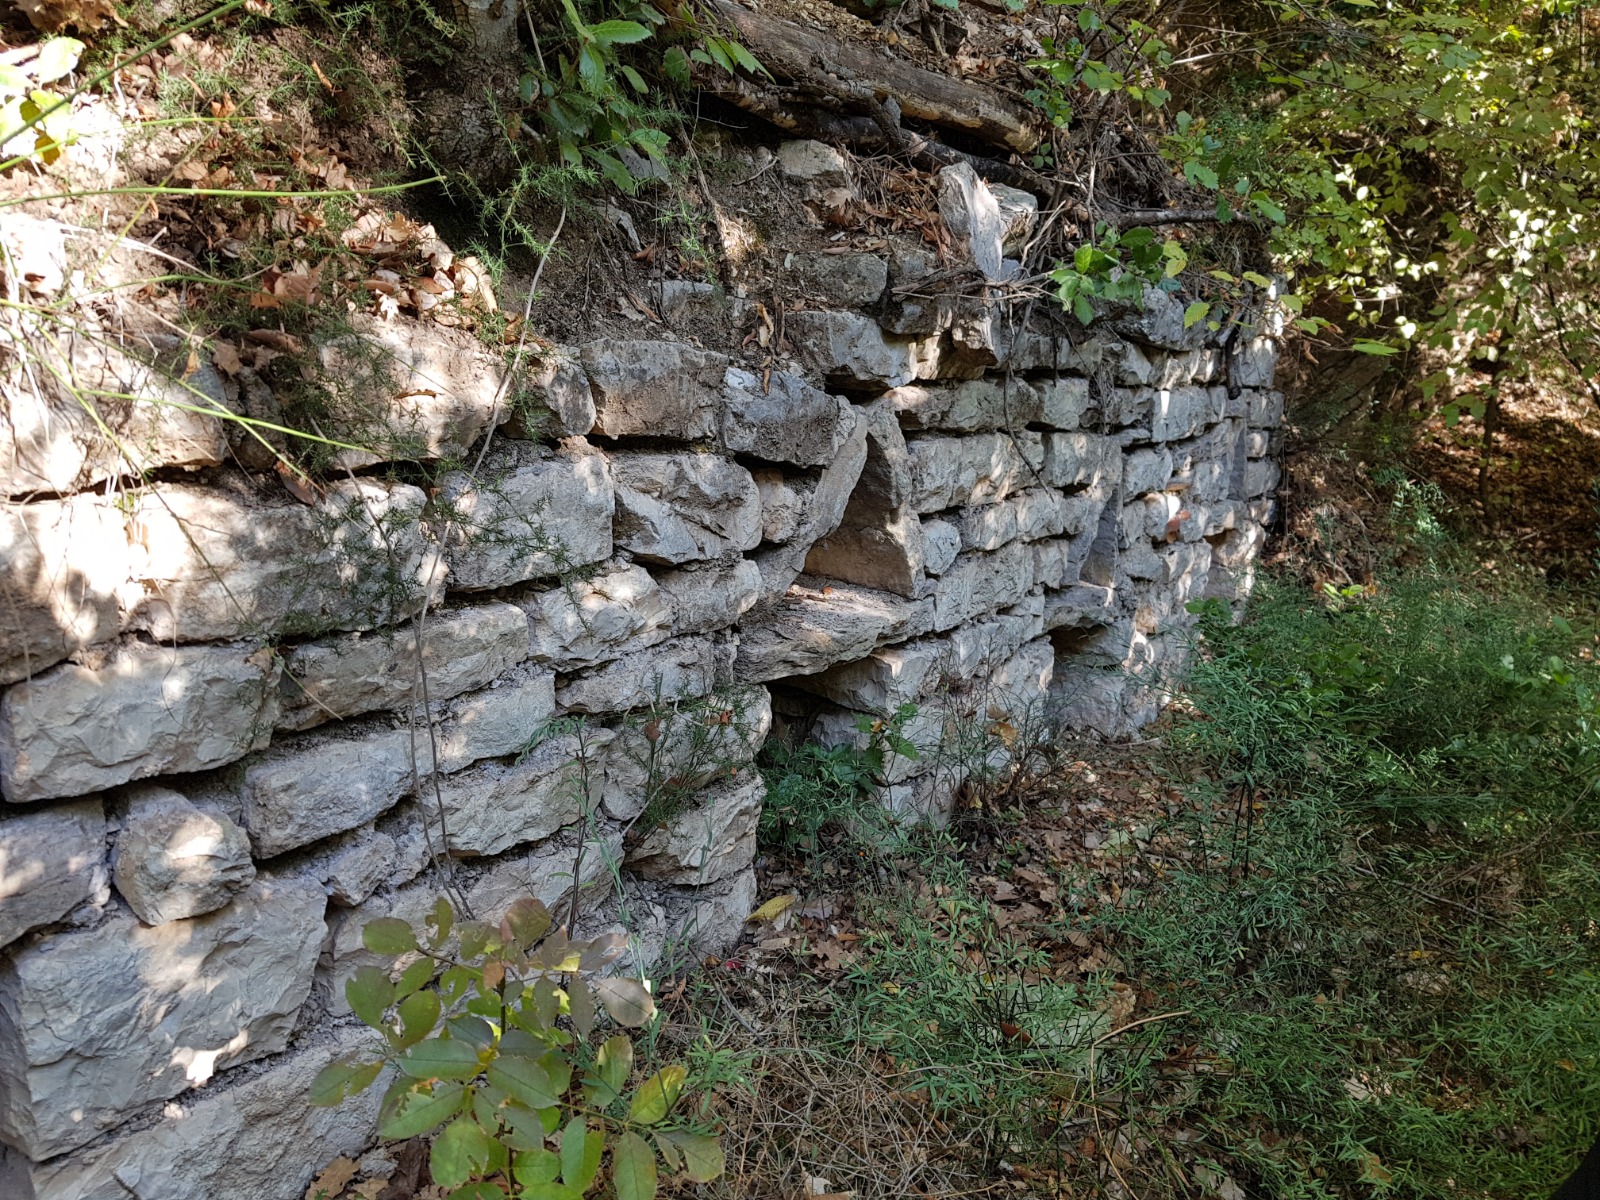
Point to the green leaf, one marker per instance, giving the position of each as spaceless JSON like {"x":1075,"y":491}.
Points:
{"x":1198,"y":173}
{"x":656,"y":1095}
{"x":369,"y":993}
{"x":580,"y":1007}
{"x":1269,"y":210}
{"x":627,"y":1000}
{"x":56,"y":58}
{"x":633,"y":1168}
{"x":550,"y":1191}
{"x":12,"y":81}
{"x":536,"y":1166}
{"x":388,"y":935}
{"x":1195,"y":313}
{"x":1261,"y":281}
{"x":478,"y":1191}
{"x":524,"y":1080}
{"x":459,"y":1153}
{"x":439,"y":923}
{"x":702,"y":1155}
{"x":618,"y":33}
{"x":418,"y":1014}
{"x":1177,"y":257}
{"x":1082,"y":309}
{"x":341,"y":1078}
{"x":1367,"y":346}
{"x":580,"y":1153}
{"x":441,"y":1058}
{"x":411,"y":1110}
{"x":414,"y":977}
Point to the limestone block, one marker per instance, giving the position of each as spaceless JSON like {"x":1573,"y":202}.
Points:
{"x":980,"y":583}
{"x":941,"y":542}
{"x":706,"y":842}
{"x":885,"y":679}
{"x":716,"y":915}
{"x":1018,"y":210}
{"x":315,"y":786}
{"x":593,"y":620}
{"x":1158,"y":322}
{"x":1254,"y":362}
{"x":1130,"y":408}
{"x":407,"y":392}
{"x":51,"y":861}
{"x":528,"y":514}
{"x":256,"y":1141}
{"x":95,"y":1022}
{"x":702,"y":599}
{"x":173,"y":860}
{"x":1064,"y":403}
{"x":655,"y":389}
{"x":695,"y":744}
{"x":1261,"y":476}
{"x":950,"y":471}
{"x":1056,"y":562}
{"x":554,"y":398}
{"x":826,"y":498}
{"x":150,"y":710}
{"x":1183,"y":412}
{"x":781,"y":418}
{"x":493,"y":807}
{"x":676,"y":508}
{"x":463,"y":648}
{"x":852,"y":352}
{"x":1017,"y":687}
{"x":1147,"y":470}
{"x":1261,"y":443}
{"x":975,"y":406}
{"x":972,"y":215}
{"x":784,"y":500}
{"x":974,"y":651}
{"x":1081,"y":604}
{"x":931,"y":729}
{"x":813,"y":162}
{"x":816,"y":625}
{"x":1080,"y":460}
{"x":1132,"y":367}
{"x":685,"y":300}
{"x":214,"y":563}
{"x":683,"y":668}
{"x":355,"y":865}
{"x":502,"y":719}
{"x":66,"y":563}
{"x":1265,"y":410}
{"x":848,"y":280}
{"x":101,"y":410}
{"x":1031,"y":515}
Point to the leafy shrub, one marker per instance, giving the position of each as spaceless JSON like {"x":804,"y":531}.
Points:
{"x":497,"y":1050}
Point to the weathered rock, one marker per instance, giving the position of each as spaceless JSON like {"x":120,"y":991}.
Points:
{"x":941,"y":542}
{"x":82,"y":1048}
{"x":1030,"y":515}
{"x":694,"y":744}
{"x":1183,"y":412}
{"x":706,"y":842}
{"x":781,"y":418}
{"x":976,"y":406}
{"x":503,"y":719}
{"x":885,"y":679}
{"x":813,"y":162}
{"x":980,"y":583}
{"x":1158,"y":322}
{"x":529,"y":513}
{"x":1064,"y":403}
{"x":1265,"y":410}
{"x":1146,"y":471}
{"x":594,"y":620}
{"x":972,"y":215}
{"x":407,"y":392}
{"x":174,"y":860}
{"x":932,"y":729}
{"x":251,"y":1142}
{"x":657,"y":389}
{"x":817,"y":625}
{"x":852,"y":352}
{"x":215,"y":564}
{"x":676,"y":508}
{"x":66,"y":566}
{"x":784,"y":500}
{"x":849,"y":280}
{"x":463,"y":648}
{"x":1018,"y":209}
{"x":685,"y":300}
{"x":150,"y":710}
{"x":355,"y":865}
{"x":825,"y":499}
{"x":1080,"y":460}
{"x":950,"y":471}
{"x":51,"y":861}
{"x":491,"y":808}
{"x":975,"y":651}
{"x":684,"y":668}
{"x":1254,"y":361}
{"x":1261,"y":476}
{"x":554,"y":399}
{"x":707,"y":598}
{"x":312,"y":787}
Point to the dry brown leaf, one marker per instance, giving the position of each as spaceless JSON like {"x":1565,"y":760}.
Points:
{"x":226,"y":356}
{"x":332,"y":1179}
{"x":52,"y":16}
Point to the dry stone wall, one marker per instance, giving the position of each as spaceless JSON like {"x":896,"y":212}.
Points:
{"x":236,"y":724}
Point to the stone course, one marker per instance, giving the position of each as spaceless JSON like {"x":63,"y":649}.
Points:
{"x":235,"y":725}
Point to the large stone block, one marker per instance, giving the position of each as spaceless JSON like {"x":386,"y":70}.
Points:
{"x":491,"y":808}
{"x":407,"y":392}
{"x":823,"y":500}
{"x":676,"y":508}
{"x":818,"y":624}
{"x":462,"y":648}
{"x":1178,"y":413}
{"x":852,"y":352}
{"x":313,"y":787}
{"x":654,"y":389}
{"x":884,"y":679}
{"x":1158,"y":322}
{"x":529,"y":513}
{"x":980,"y":583}
{"x":259,"y":1140}
{"x":597,"y":619}
{"x":503,"y":719}
{"x":51,"y":861}
{"x":1030,"y":515}
{"x":706,"y":598}
{"x":847,"y":280}
{"x":972,"y":215}
{"x":1080,"y":460}
{"x":95,"y":1022}
{"x":1146,"y":470}
{"x":711,"y":839}
{"x":66,"y":568}
{"x":975,"y":406}
{"x":174,"y":860}
{"x":781,"y":418}
{"x":554,"y":398}
{"x":947,"y":472}
{"x":215,"y":563}
{"x":941,"y":542}
{"x":694,"y":745}
{"x":149,"y":711}
{"x":684,"y":668}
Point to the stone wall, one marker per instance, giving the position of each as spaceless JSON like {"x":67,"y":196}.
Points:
{"x":529,"y":637}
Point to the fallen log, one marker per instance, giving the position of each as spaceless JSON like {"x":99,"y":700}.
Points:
{"x":805,"y":55}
